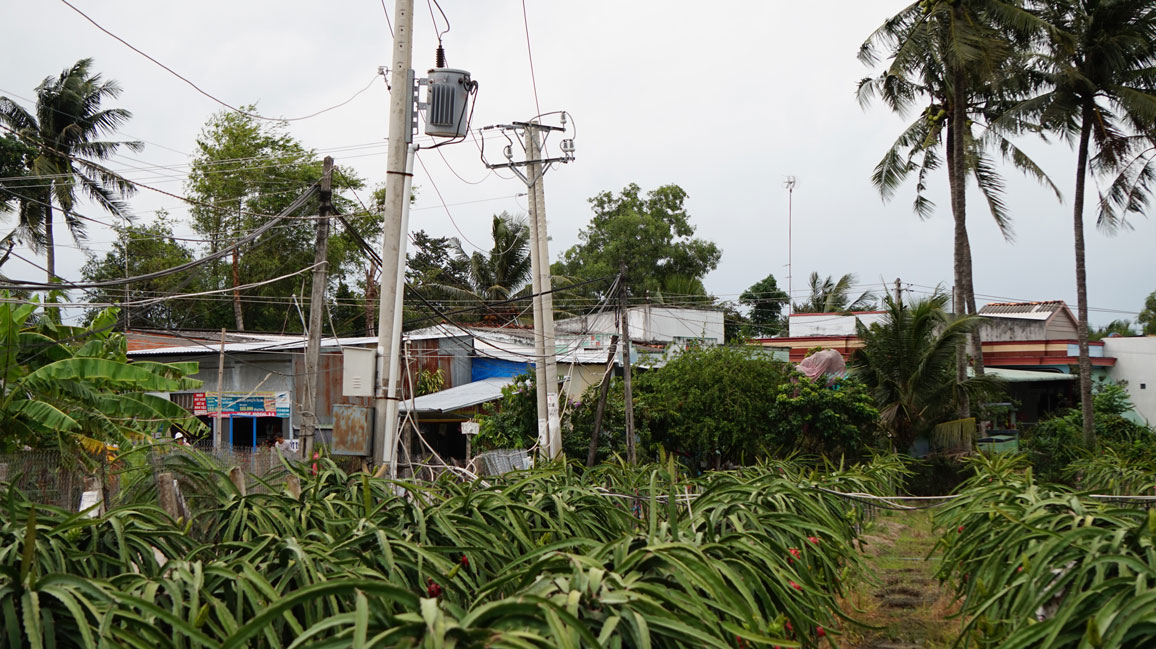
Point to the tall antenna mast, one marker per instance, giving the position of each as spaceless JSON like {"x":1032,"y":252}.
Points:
{"x":789,"y":182}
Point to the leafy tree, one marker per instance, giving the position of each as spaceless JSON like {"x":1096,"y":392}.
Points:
{"x":485,"y":278}
{"x":243,"y":171}
{"x":711,"y":406}
{"x":141,"y":249}
{"x":433,"y":262}
{"x":834,"y":296}
{"x":958,"y":60}
{"x":652,"y":234}
{"x":1147,"y":318}
{"x":907,"y":363}
{"x":513,"y":421}
{"x":65,"y":134}
{"x":729,"y":404}
{"x":1099,"y":91}
{"x":437,"y":273}
{"x":765,"y":300}
{"x":71,"y":389}
{"x":733,"y":404}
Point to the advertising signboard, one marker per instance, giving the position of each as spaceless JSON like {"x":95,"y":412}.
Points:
{"x":249,"y":404}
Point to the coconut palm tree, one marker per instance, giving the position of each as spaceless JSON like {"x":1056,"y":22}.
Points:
{"x":834,"y":296}
{"x":1099,"y":92}
{"x":497,"y":275}
{"x":505,"y":269}
{"x":65,"y":134}
{"x":908,"y":363}
{"x":957,"y":60}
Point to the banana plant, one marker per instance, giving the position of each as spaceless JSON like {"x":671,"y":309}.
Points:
{"x":72,"y":389}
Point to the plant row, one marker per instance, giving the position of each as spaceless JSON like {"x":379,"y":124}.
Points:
{"x":611,"y":557}
{"x":1042,"y":566}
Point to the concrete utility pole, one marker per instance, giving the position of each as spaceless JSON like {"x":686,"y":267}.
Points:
{"x":551,"y":433}
{"x":393,"y":395}
{"x":400,"y":132}
{"x":316,"y":309}
{"x":545,"y":353}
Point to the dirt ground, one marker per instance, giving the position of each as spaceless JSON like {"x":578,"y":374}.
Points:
{"x":899,"y":600}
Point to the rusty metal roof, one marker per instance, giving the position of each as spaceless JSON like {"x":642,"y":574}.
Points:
{"x":1023,"y":310}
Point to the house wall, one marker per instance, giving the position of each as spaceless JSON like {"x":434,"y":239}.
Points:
{"x":244,"y":372}
{"x":1011,"y":329}
{"x":1136,"y":364}
{"x":329,"y":388}
{"x":1060,"y":327}
{"x":803,"y":325}
{"x":581,"y":378}
{"x":458,"y":351}
{"x":653,"y":322}
{"x":665,"y":324}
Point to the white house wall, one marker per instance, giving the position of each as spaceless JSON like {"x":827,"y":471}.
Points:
{"x":1136,"y":364}
{"x":803,"y":325}
{"x":653,"y":323}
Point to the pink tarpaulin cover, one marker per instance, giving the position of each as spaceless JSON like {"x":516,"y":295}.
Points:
{"x":825,"y":363}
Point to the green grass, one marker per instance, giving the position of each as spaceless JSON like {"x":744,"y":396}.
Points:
{"x":898,"y":594}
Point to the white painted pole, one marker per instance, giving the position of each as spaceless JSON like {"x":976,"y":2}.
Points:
{"x":393,"y":403}
{"x":400,"y":128}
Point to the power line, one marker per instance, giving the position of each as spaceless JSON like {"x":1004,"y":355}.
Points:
{"x":297,"y":204}
{"x":203,"y":92}
{"x":530,"y":55}
{"x":387,"y":21}
{"x":444,"y":205}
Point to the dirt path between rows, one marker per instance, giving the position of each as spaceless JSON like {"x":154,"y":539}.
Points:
{"x":899,"y":594}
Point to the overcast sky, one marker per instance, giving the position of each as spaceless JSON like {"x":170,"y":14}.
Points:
{"x":724,"y":99}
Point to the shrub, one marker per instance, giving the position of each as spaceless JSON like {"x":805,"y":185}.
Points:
{"x":1055,"y":443}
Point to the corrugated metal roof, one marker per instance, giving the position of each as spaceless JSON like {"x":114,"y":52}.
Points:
{"x":463,"y":396}
{"x":1024,"y":376}
{"x":273,"y":343}
{"x":1023,"y":310}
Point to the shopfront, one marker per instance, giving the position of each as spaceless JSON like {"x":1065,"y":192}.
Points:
{"x":245,"y":419}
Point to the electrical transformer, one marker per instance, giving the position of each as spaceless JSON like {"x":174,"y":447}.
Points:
{"x":447,"y":102}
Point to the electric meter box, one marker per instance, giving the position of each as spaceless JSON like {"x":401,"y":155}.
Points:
{"x":448,"y":99}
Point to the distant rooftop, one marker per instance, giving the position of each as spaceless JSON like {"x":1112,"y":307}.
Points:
{"x":1023,"y":310}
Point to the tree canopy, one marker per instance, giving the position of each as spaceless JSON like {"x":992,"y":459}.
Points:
{"x":148,"y":248}
{"x":1147,"y":317}
{"x":244,"y":171}
{"x":652,"y":234}
{"x":829,"y":295}
{"x":766,"y":301}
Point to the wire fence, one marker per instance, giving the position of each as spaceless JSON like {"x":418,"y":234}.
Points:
{"x":47,"y":478}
